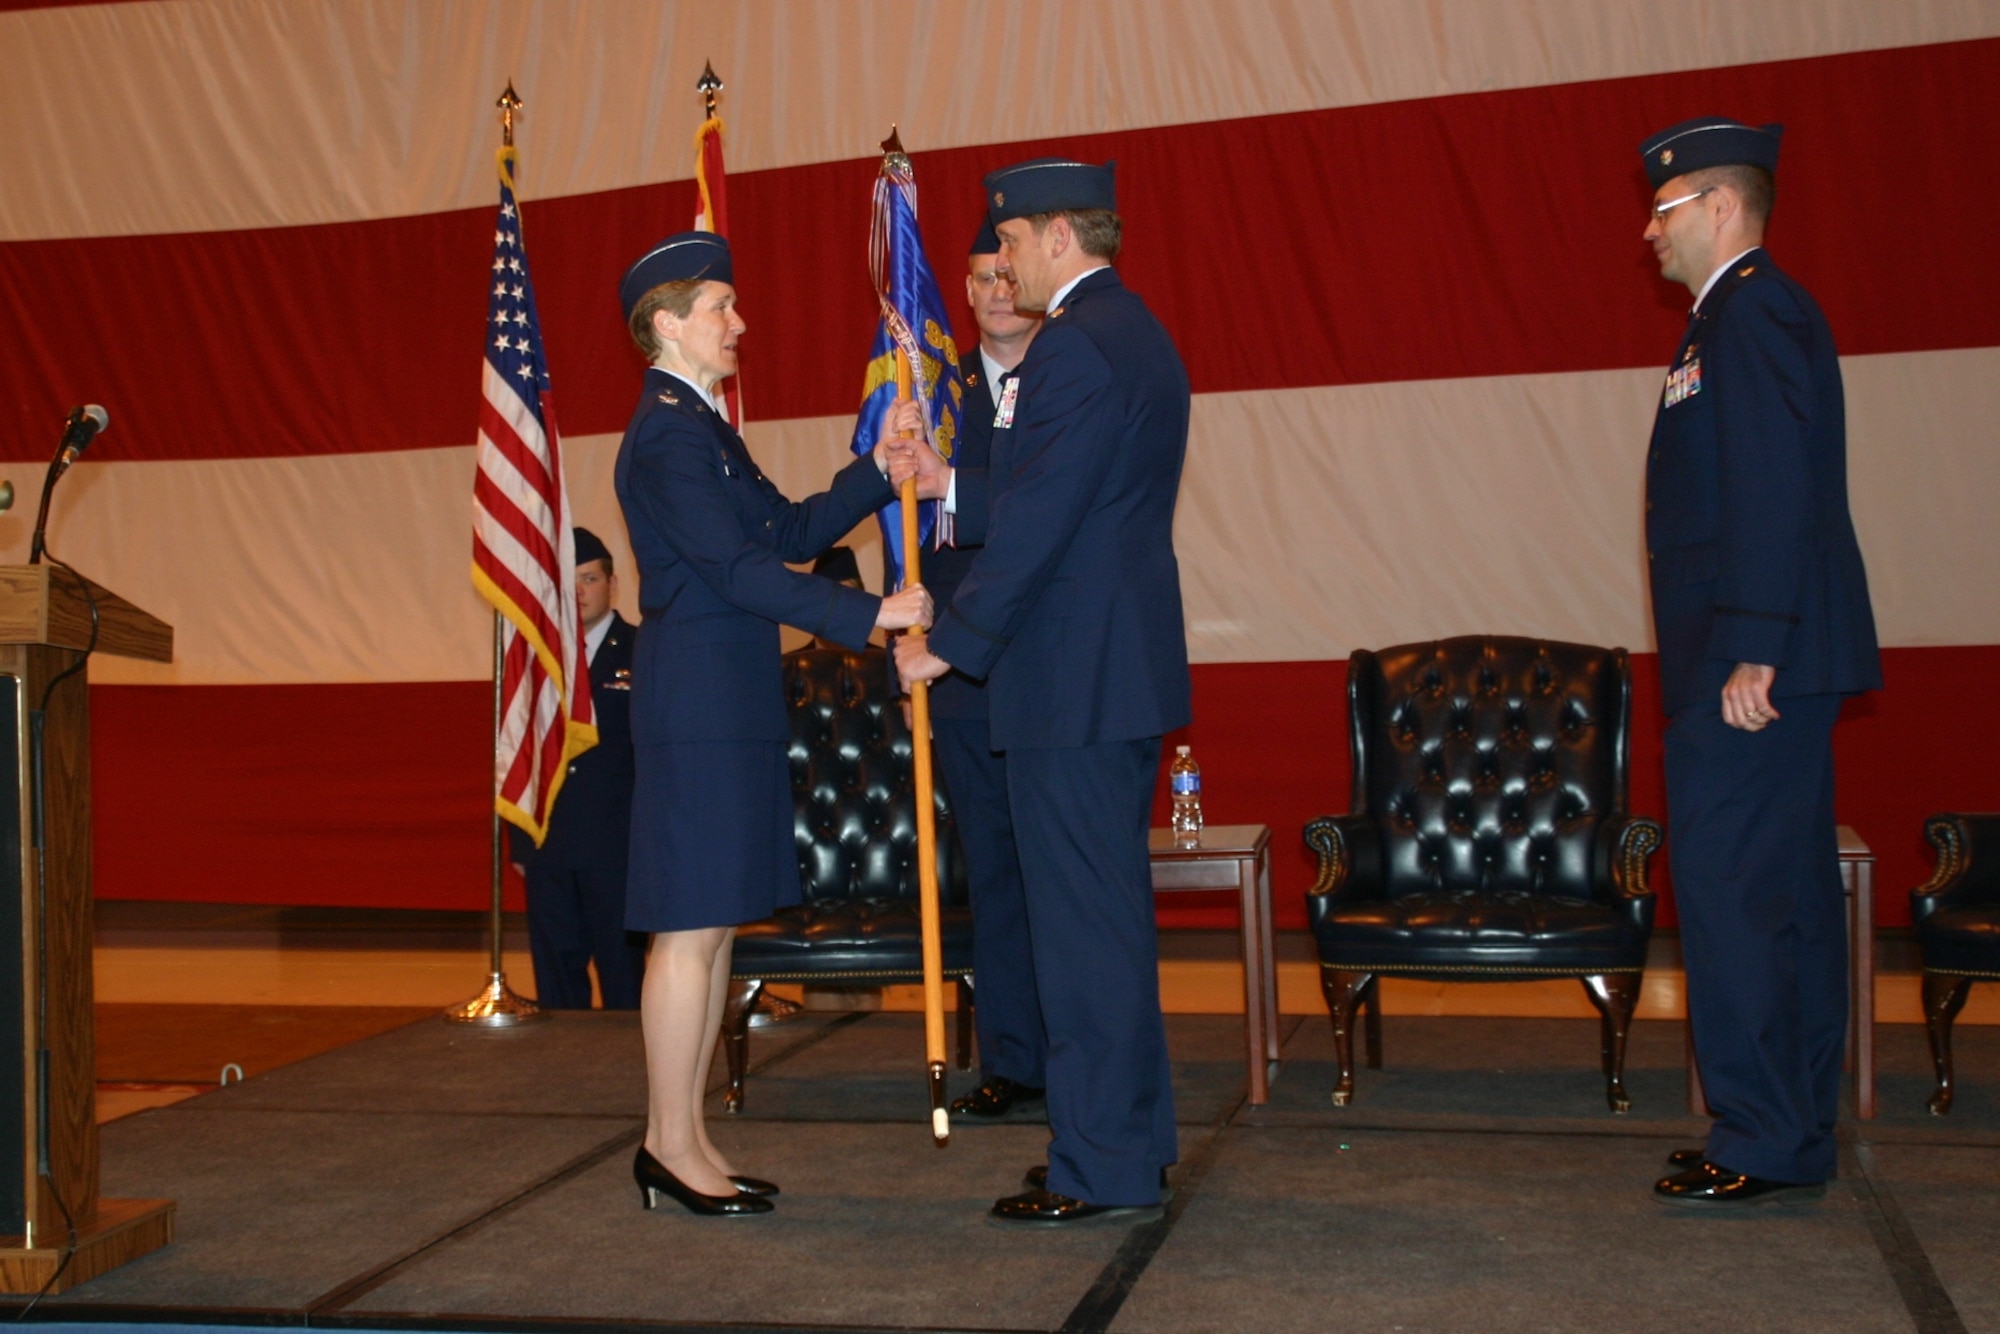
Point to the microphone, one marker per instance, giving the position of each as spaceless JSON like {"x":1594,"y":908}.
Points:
{"x":83,"y":426}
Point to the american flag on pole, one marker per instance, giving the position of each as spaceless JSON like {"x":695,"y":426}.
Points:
{"x":523,"y":553}
{"x":712,"y":215}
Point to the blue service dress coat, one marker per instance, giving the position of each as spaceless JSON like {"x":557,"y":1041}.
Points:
{"x":1072,"y":612}
{"x":711,"y":838}
{"x":1753,"y":559}
{"x":576,"y":879}
{"x":1751,"y":551}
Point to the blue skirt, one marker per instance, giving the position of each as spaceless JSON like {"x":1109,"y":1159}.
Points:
{"x":712,"y":841}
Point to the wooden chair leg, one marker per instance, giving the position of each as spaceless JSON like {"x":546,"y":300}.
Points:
{"x":743,"y":993}
{"x":1343,"y":993}
{"x":1944,"y":997}
{"x":1616,"y":996}
{"x":965,"y":1003}
{"x":1371,"y":1022}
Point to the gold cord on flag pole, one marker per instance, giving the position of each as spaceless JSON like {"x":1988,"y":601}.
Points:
{"x":920,"y":753}
{"x":497,"y":1005}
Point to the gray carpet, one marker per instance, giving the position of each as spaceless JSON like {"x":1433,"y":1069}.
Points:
{"x":1477,"y":1182}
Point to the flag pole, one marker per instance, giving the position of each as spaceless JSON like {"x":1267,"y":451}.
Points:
{"x":927,"y":881}
{"x":497,"y":1005}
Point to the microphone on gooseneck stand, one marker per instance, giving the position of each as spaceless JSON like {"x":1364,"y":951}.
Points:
{"x":82,"y":426}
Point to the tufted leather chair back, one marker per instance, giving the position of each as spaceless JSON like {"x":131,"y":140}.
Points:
{"x":854,"y":810}
{"x":1488,"y":762}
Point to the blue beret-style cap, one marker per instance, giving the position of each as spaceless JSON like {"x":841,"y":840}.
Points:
{"x":988,"y":240}
{"x":1048,"y":185}
{"x":589,"y":546}
{"x":1709,"y":141}
{"x":676,"y":259}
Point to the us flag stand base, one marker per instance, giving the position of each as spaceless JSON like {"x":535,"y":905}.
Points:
{"x":497,"y":1006}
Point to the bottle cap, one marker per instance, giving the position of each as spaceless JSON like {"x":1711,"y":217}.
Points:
{"x":1180,"y":750}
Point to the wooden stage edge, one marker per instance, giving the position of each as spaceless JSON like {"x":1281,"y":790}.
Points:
{"x":123,"y":1231}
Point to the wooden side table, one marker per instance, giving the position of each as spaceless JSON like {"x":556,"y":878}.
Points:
{"x":1238,"y":857}
{"x":1857,"y":883}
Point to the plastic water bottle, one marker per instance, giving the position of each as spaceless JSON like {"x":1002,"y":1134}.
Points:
{"x":1184,"y":777}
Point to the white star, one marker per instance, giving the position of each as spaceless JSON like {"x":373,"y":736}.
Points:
{"x":502,"y":343}
{"x":519,"y":291}
{"x":506,"y":210}
{"x":499,"y":289}
{"x":500,"y":238}
{"x":514,"y":264}
{"x":526,"y":372}
{"x":498,"y":264}
{"x":520,"y":317}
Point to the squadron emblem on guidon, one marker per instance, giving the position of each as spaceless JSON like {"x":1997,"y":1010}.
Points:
{"x":1003,"y":418}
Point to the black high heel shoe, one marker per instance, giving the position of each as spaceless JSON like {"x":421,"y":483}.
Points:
{"x":655,"y":1180}
{"x":753,"y":1186}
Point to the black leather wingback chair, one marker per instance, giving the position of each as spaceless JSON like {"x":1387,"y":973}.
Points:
{"x":1957,"y":916}
{"x":1488,"y":839}
{"x":855,"y":819}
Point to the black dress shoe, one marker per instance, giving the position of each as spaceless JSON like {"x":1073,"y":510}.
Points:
{"x":1037,"y":1178}
{"x":753,"y":1186}
{"x":995,"y":1098}
{"x":1682,"y":1160}
{"x":1045,"y":1208}
{"x":1718,"y":1188}
{"x":655,"y":1180}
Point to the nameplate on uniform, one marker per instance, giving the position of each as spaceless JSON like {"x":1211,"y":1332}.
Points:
{"x":1004,"y":416}
{"x":1683,"y":382}
{"x":620,"y":679}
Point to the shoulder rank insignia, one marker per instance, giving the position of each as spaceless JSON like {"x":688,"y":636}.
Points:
{"x":1056,"y":314}
{"x":670,"y":400}
{"x":1746,"y":270}
{"x":971,"y":378}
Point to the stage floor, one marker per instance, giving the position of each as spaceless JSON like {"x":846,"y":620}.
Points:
{"x":431,"y":1175}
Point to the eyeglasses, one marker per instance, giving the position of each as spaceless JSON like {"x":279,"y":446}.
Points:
{"x":991,"y":278}
{"x":1660,"y":211}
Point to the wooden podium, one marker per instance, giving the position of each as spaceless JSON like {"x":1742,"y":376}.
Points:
{"x":48,"y":1083}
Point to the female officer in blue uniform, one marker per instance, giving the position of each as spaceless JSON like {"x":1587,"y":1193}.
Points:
{"x":712,"y":839}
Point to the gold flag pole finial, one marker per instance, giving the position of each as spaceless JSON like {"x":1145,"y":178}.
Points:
{"x":509,"y":103}
{"x":708,"y":85}
{"x":893,"y":156}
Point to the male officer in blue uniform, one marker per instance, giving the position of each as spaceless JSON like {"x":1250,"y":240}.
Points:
{"x":576,"y":879}
{"x":1013,"y":1049}
{"x":1761,"y":612}
{"x":1072,"y":614}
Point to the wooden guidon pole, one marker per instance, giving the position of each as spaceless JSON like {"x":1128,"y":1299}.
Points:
{"x":927,"y":881}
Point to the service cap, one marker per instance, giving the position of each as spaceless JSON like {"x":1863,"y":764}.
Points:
{"x":676,"y":259}
{"x":589,"y":546}
{"x":1048,"y":185}
{"x":988,"y":240}
{"x":1709,"y":141}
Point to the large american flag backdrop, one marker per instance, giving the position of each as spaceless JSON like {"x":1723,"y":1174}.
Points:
{"x":1424,"y":336}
